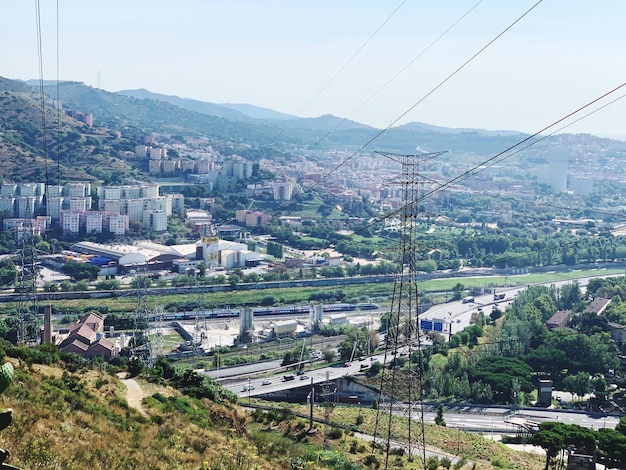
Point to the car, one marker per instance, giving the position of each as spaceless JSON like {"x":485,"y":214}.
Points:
{"x":266,"y":382}
{"x":458,"y":320}
{"x":247,"y":388}
{"x":304,"y":377}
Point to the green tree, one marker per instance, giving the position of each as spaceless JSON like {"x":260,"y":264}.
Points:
{"x":612,"y":446}
{"x":551,"y":442}
{"x":275,"y":249}
{"x":8,"y":272}
{"x":439,"y":421}
{"x":328,"y":355}
{"x":81,"y":271}
{"x":111,"y":284}
{"x":141,"y":282}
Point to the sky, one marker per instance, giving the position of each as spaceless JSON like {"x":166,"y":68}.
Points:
{"x":379,"y":63}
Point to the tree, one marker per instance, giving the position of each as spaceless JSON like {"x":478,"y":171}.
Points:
{"x":141,"y":282}
{"x":612,"y":446}
{"x":112,"y":284}
{"x":8,"y":272}
{"x":499,"y":373}
{"x":458,"y":290}
{"x":81,"y":271}
{"x":201,"y":269}
{"x":439,"y":421}
{"x":328,"y":355}
{"x":275,"y":249}
{"x":550,"y":442}
{"x":374,"y":369}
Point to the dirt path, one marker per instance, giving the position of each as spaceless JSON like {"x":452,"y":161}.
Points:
{"x":134,"y":394}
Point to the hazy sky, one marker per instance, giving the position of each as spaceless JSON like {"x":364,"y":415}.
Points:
{"x":281,"y":54}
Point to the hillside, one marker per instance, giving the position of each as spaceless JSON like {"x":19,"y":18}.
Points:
{"x":81,"y":419}
{"x":71,"y":151}
{"x":71,"y":415}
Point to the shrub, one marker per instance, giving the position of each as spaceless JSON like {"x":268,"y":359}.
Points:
{"x":157,"y":419}
{"x":432,"y":463}
{"x":371,"y":461}
{"x":335,"y":433}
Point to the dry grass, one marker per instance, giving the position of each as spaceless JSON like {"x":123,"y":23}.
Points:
{"x":485,"y":453}
{"x":77,"y":421}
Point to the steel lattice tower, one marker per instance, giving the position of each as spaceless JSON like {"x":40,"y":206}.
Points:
{"x":141,"y":341}
{"x":401,"y":387}
{"x":28,"y":325}
{"x":155,"y":334}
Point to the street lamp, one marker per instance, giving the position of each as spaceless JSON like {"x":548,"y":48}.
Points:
{"x":248,"y":390}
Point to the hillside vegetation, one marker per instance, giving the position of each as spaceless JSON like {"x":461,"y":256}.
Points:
{"x":71,"y":415}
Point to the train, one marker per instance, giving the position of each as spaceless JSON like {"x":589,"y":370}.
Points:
{"x":262,"y":311}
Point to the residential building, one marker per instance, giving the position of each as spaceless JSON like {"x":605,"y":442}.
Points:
{"x":282,"y":190}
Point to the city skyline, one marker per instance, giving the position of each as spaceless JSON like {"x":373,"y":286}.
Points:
{"x":375,"y":63}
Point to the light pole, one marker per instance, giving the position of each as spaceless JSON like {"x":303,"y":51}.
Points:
{"x":249,"y":390}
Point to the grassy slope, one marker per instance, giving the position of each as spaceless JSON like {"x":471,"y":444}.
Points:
{"x":482,"y":452}
{"x":82,"y":420}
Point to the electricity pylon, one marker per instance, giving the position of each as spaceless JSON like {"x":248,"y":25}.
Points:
{"x":401,"y":378}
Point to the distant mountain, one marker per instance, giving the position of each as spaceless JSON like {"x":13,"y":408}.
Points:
{"x":454,"y":130}
{"x":328,"y":122}
{"x":13,"y":85}
{"x":122,"y":119}
{"x":257,"y":112}
{"x":203,"y":107}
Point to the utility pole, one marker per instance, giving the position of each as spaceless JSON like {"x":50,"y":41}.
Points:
{"x":311,"y":400}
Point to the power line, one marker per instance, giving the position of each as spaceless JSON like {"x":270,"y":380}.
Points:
{"x":396,"y":75}
{"x":42,"y":97}
{"x":492,"y":160}
{"x":341,"y":69}
{"x":428,"y":94}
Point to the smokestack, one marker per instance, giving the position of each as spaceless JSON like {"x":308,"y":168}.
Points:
{"x":47,"y":324}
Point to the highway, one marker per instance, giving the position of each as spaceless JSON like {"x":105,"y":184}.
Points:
{"x":279,"y":384}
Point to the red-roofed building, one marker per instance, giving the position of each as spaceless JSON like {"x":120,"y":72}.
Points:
{"x":86,"y":338}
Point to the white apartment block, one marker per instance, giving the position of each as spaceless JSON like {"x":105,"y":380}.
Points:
{"x":155,"y":220}
{"x":133,"y":208}
{"x":8,"y":189}
{"x":55,"y":206}
{"x":109,"y":192}
{"x":78,"y":203}
{"x":118,"y":224}
{"x":20,"y":227}
{"x":7,"y":205}
{"x":92,"y":221}
{"x":157,"y":153}
{"x":154,"y":166}
{"x":130,"y":192}
{"x":77,"y":190}
{"x":282,"y":190}
{"x":111,"y":206}
{"x":70,"y":222}
{"x":149,"y":190}
{"x":26,"y":206}
{"x":141,"y":151}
